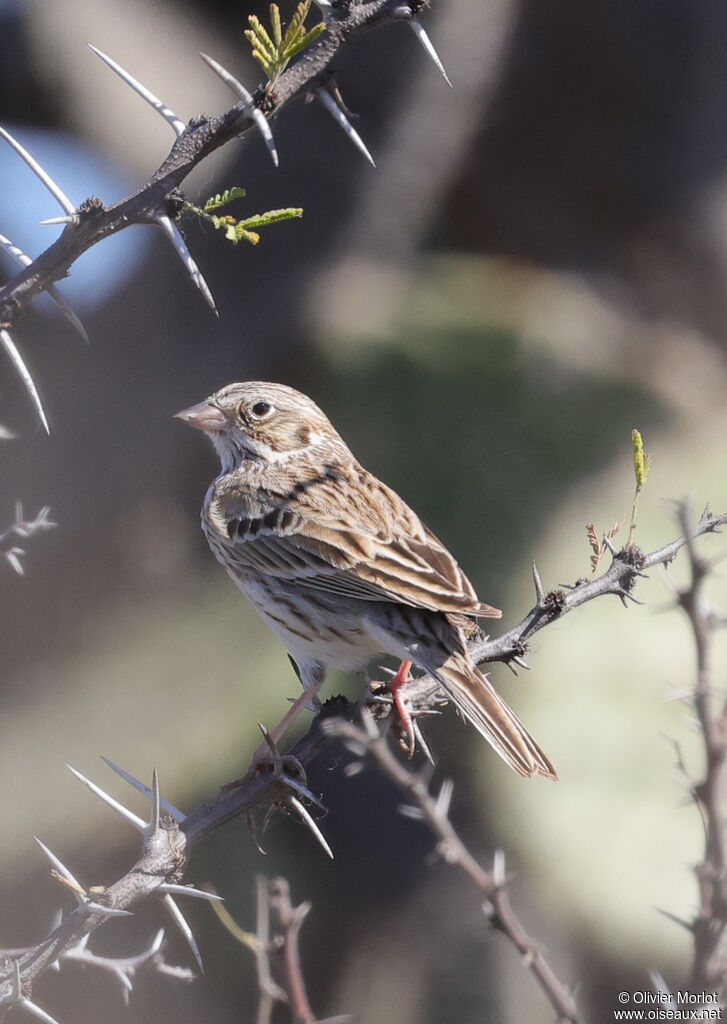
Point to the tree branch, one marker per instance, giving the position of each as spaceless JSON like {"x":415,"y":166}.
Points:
{"x":492,"y":885}
{"x":169,"y":835}
{"x":159,"y":197}
{"x":710,"y":924}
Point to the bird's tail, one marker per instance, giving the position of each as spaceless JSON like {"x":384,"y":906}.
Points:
{"x":483,"y":706}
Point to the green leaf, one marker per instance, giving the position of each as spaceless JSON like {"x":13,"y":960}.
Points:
{"x":239,"y":230}
{"x":222,"y":199}
{"x":262,"y":39}
{"x":296,"y":24}
{"x":274,"y":53}
{"x":272,"y":217}
{"x":305,"y":41}
{"x":275,"y":22}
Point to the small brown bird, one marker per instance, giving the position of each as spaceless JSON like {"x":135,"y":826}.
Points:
{"x":336,"y":563}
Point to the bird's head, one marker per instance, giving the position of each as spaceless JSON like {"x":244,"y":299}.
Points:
{"x":259,"y":420}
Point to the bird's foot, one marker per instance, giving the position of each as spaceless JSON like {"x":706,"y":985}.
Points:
{"x":404,"y":727}
{"x":268,"y":759}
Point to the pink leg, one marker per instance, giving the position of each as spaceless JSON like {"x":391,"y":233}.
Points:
{"x":311,"y":686}
{"x":405,"y":719}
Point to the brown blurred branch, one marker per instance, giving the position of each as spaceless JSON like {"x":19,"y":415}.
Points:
{"x":168,"y":835}
{"x":284,"y":928}
{"x":434,"y":811}
{"x":276,"y":950}
{"x":709,"y":928}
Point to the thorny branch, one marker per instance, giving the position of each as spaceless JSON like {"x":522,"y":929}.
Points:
{"x":434,"y":810}
{"x":169,"y":835}
{"x":159,"y":198}
{"x":709,"y":966}
{"x":619,"y":580}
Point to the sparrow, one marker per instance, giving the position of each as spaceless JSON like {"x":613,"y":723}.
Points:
{"x":336,"y":563}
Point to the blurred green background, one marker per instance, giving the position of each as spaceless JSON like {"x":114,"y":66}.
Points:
{"x":535,"y":268}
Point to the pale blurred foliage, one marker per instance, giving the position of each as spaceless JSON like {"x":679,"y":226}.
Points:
{"x":156,"y":684}
{"x":615,"y":839}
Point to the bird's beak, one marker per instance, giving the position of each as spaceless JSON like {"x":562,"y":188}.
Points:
{"x":204,"y":416}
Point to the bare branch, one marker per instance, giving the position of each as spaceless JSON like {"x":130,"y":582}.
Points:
{"x":159,"y":197}
{"x":491,"y":884}
{"x":20,"y":257}
{"x":168,"y":837}
{"x":709,"y":927}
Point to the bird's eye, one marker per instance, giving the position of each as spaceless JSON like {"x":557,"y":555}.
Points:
{"x":261,"y":410}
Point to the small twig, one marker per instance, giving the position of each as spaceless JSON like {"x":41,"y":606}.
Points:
{"x":22,"y":529}
{"x":287,"y":922}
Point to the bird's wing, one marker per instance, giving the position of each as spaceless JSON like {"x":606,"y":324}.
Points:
{"x":356,"y":539}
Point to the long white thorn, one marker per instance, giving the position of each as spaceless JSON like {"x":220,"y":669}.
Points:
{"x":499,"y":875}
{"x":20,"y":257}
{"x":17,"y":360}
{"x":16,"y":994}
{"x":444,"y":798}
{"x":73,"y":883}
{"x":308,"y":820}
{"x":136,"y":821}
{"x":246,"y":96}
{"x":155,"y":801}
{"x":36,"y":1011}
{"x":426,"y":42}
{"x":188,"y":890}
{"x":175,"y":237}
{"x":58,"y":194}
{"x":101,"y":908}
{"x":162,"y":109}
{"x":67,"y":312}
{"x":339,"y":116}
{"x":141,"y":787}
{"x":70,"y":219}
{"x":55,"y":923}
{"x":13,"y":251}
{"x":179,"y":920}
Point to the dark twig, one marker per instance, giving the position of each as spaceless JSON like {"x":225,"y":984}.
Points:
{"x":709,"y":928}
{"x":491,"y":884}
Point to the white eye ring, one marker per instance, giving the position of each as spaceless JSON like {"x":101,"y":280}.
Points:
{"x":262,"y":409}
